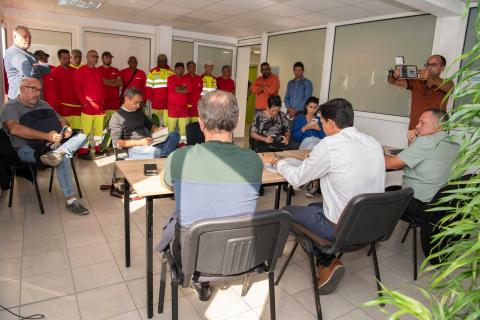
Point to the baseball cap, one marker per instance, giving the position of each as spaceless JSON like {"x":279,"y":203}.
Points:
{"x":39,"y":53}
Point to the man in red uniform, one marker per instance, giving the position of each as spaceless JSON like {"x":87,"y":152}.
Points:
{"x":225,"y":82}
{"x":66,"y":102}
{"x":156,"y":88}
{"x":133,"y":77}
{"x":196,"y":83}
{"x":48,"y":93}
{"x":88,"y":83}
{"x":179,"y":89}
{"x":76,"y":59}
{"x":112,"y":83}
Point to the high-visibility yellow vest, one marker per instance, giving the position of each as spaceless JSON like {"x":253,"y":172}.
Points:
{"x":157,"y":78}
{"x":209,"y":84}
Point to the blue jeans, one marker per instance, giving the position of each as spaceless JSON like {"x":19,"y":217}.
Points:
{"x":313,"y":218}
{"x":64,"y":169}
{"x":155,"y":151}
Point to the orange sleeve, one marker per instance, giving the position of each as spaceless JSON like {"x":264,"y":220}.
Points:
{"x":273,"y":87}
{"x":255,"y":86}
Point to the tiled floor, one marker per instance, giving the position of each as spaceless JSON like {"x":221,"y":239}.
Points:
{"x":70,"y":267}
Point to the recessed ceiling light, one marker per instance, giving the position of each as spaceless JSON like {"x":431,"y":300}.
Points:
{"x":84,"y":4}
{"x":226,"y":52}
{"x":256,"y":52}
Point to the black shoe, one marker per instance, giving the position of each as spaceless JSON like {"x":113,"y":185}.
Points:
{"x":86,"y":156}
{"x":77,"y":208}
{"x":203,"y":290}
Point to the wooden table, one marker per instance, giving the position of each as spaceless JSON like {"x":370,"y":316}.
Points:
{"x":151,"y":187}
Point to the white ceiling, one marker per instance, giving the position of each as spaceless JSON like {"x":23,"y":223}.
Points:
{"x":236,"y":18}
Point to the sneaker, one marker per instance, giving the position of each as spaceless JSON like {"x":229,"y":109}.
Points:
{"x":86,"y":156}
{"x":311,"y":193}
{"x":77,"y":208}
{"x":51,"y":158}
{"x":329,"y":277}
{"x":203,"y":290}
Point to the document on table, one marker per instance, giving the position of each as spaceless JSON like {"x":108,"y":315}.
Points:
{"x":159,"y":136}
{"x":290,"y":161}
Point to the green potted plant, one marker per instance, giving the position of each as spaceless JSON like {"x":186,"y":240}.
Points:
{"x":454,"y":288}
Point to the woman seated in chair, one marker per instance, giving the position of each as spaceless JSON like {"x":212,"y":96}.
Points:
{"x":270,"y":130}
{"x":307,"y":130}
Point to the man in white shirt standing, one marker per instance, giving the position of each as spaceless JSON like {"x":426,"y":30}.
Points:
{"x":347,"y":162}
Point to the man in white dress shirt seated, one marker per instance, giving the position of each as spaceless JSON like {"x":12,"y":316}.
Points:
{"x":347,"y":162}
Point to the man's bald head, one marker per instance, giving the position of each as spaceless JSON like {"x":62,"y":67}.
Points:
{"x":22,"y":37}
{"x":162,"y":60}
{"x":92,"y":58}
{"x":30,"y":89}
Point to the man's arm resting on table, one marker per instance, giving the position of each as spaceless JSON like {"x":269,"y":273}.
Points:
{"x":394,"y":162}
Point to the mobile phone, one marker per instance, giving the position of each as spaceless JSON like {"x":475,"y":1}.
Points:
{"x":150,"y":169}
{"x":399,"y":60}
{"x":314,"y":120}
{"x":62,"y":132}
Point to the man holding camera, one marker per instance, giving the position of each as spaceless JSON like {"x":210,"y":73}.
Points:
{"x":428,"y":91}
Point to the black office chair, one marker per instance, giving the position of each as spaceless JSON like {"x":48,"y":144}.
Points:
{"x":366,"y":220}
{"x":52,"y":172}
{"x":32,"y":167}
{"x":194,"y":134}
{"x":226,"y":247}
{"x":428,"y":227}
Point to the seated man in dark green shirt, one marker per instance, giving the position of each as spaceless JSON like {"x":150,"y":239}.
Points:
{"x":131,"y":129}
{"x":426,"y":163}
{"x":216,"y":178}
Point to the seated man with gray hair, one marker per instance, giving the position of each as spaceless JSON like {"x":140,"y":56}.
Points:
{"x":34,"y":129}
{"x":213,"y":179}
{"x":131,"y":129}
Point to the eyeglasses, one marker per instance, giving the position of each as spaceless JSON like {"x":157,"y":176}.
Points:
{"x":428,"y":65}
{"x":34,"y":89}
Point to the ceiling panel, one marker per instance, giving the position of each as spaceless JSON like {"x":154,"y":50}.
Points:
{"x":348,"y":13}
{"x":249,"y":4}
{"x":380,"y":7}
{"x":225,"y":9}
{"x":315,"y":5}
{"x":226,"y":17}
{"x":167,"y":9}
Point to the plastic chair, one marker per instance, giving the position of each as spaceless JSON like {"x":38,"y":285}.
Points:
{"x":367,"y":219}
{"x":225,"y":247}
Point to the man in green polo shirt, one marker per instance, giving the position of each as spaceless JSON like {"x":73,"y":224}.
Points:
{"x":214,"y":179}
{"x":426,"y":163}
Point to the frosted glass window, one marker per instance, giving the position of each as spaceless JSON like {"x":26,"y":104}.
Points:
{"x":182,"y":51}
{"x":218,"y":56}
{"x":364,"y":52}
{"x":121,"y":47}
{"x":305,"y":46}
{"x":50,"y":42}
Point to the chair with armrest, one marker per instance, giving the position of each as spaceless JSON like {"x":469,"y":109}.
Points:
{"x":367,"y":219}
{"x":225,"y":247}
{"x":194,"y":134}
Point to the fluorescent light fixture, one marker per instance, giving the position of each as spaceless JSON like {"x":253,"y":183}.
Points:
{"x":256,"y":52}
{"x":84,"y":4}
{"x":227,"y":52}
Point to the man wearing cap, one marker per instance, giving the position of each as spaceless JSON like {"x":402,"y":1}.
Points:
{"x":209,"y":81}
{"x":20,"y":63}
{"x":66,"y":101}
{"x":88,"y":83}
{"x":225,"y":81}
{"x":48,"y":94}
{"x":196,"y":83}
{"x":76,"y":59}
{"x":112,"y":83}
{"x":156,"y":88}
{"x":133,"y":77}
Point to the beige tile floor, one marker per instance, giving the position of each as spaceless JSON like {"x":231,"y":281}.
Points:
{"x":70,"y":267}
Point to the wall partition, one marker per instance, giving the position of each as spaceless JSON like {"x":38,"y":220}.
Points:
{"x":50,"y":42}
{"x":182,"y":51}
{"x":364,"y":52}
{"x":305,"y":46}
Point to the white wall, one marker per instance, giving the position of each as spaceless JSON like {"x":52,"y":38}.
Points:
{"x":243,"y":60}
